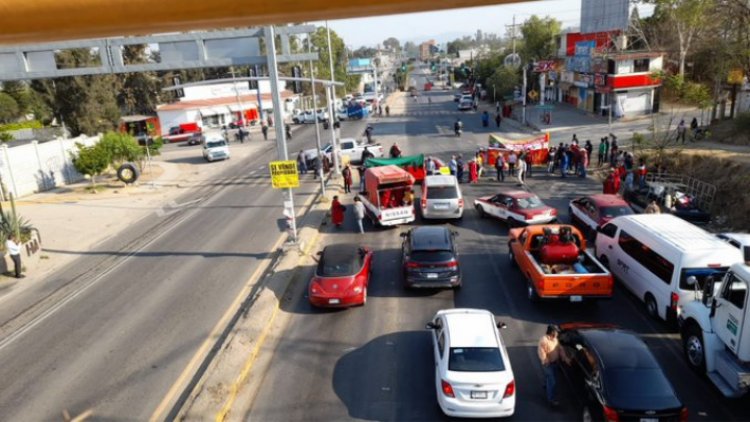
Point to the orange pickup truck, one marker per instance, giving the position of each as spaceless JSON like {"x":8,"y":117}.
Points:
{"x":556,"y":265}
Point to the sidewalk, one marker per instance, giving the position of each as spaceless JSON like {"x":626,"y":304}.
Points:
{"x":70,"y":218}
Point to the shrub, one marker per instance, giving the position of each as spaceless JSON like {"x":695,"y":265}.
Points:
{"x":30,"y":124}
{"x":10,"y":225}
{"x":6,"y":137}
{"x":91,"y":161}
{"x":120,"y":147}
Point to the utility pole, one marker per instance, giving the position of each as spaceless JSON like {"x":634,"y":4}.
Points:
{"x":317,"y":127}
{"x":523,"y":97}
{"x":279,"y":127}
{"x":331,"y":99}
{"x":239,"y":100}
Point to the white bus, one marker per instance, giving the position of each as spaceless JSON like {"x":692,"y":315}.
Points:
{"x":653,"y":255}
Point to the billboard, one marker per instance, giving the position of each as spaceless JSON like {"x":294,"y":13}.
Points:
{"x":604,"y":15}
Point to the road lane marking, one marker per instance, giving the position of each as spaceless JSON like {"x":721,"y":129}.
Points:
{"x":250,"y":362}
{"x":210,"y":340}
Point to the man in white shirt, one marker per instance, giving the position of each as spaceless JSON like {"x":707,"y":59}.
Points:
{"x":359,"y":213}
{"x":14,"y":250}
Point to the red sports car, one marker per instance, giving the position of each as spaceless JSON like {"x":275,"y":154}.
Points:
{"x":342,"y":276}
{"x":516,"y":207}
{"x":591,"y":212}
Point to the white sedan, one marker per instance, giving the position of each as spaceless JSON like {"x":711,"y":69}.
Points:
{"x":473,"y":376}
{"x":516,"y":208}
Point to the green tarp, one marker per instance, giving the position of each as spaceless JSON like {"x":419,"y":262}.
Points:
{"x":407,"y":160}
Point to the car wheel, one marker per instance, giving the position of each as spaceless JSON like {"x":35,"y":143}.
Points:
{"x":480,"y":211}
{"x":531,"y":292}
{"x":586,"y":416}
{"x":651,"y":307}
{"x":692,"y":342}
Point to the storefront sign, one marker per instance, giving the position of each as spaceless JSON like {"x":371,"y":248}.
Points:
{"x":544,"y":66}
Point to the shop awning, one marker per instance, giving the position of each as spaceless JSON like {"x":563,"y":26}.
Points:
{"x":213,"y":111}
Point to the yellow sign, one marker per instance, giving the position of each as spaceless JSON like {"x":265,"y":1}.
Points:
{"x":445,"y":170}
{"x":736,"y":77}
{"x":284,"y":174}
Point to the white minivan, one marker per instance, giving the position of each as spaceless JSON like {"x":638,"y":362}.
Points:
{"x":441,"y":197}
{"x":653,"y":255}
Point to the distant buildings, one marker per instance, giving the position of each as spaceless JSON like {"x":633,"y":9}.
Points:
{"x":427,"y":49}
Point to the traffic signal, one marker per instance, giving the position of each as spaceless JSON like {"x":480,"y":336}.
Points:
{"x":297,"y":73}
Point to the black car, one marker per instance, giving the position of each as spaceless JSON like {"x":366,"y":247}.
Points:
{"x":615,"y":376}
{"x":429,"y":258}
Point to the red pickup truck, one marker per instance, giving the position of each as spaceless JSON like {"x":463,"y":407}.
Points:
{"x":182,"y":132}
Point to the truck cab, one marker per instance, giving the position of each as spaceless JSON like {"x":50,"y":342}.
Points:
{"x":715,"y":339}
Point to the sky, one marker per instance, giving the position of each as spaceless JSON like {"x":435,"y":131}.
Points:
{"x":448,"y":25}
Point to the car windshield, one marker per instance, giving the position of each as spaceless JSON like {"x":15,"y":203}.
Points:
{"x":701,"y":274}
{"x":442,"y":192}
{"x":431,"y":256}
{"x":625,"y":385}
{"x":214,"y":144}
{"x":475,"y":359}
{"x":529,"y":203}
{"x":612,"y":212}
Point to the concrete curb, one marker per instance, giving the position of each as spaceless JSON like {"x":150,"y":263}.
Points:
{"x":216,"y":393}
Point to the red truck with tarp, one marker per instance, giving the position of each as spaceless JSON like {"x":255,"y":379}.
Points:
{"x":536,"y":146}
{"x":413,"y":164}
{"x":386,"y":197}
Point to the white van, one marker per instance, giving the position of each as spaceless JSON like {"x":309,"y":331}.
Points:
{"x":653,"y":255}
{"x":441,"y":197}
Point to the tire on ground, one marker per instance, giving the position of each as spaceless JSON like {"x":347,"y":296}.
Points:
{"x":128,"y":173}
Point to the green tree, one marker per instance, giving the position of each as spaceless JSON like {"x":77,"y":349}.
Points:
{"x":91,"y":160}
{"x":9,"y":109}
{"x":319,"y":40}
{"x":504,"y":80}
{"x":86,"y":104}
{"x":688,"y":19}
{"x":140,"y":90}
{"x":120,"y":148}
{"x":453,"y":47}
{"x":392,"y":43}
{"x":539,"y":38}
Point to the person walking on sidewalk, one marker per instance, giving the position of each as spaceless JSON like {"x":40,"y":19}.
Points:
{"x":499,"y":167}
{"x":681,"y":129}
{"x":337,"y":212}
{"x":264,"y":129}
{"x":359,"y":213}
{"x":14,"y":250}
{"x":550,"y":353}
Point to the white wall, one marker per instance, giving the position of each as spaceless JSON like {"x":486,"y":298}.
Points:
{"x":227,"y":90}
{"x":35,"y":167}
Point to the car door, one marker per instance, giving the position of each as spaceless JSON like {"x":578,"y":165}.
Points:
{"x":438,"y":342}
{"x":606,"y":237}
{"x":589,"y":366}
{"x":347,"y":150}
{"x":730,"y":304}
{"x":501,"y":205}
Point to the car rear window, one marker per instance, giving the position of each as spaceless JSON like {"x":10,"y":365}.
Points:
{"x":624,"y":385}
{"x":442,"y":192}
{"x":612,"y":212}
{"x":529,"y":203}
{"x":475,"y":359}
{"x":431,"y":256}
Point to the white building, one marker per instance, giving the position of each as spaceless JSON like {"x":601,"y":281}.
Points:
{"x":217,"y":105}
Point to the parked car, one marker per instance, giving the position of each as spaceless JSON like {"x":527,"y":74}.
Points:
{"x":342,"y":276}
{"x":441,"y":197}
{"x":464,"y":105}
{"x":615,"y":376}
{"x":588,"y":213}
{"x":215,"y":148}
{"x":516,"y":207}
{"x":196,"y":139}
{"x":738,"y":240}
{"x":456,"y":98}
{"x":429,"y":258}
{"x":473,"y":374}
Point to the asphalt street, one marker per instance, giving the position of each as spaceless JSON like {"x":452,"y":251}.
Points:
{"x":375,"y":362}
{"x":114,"y":330}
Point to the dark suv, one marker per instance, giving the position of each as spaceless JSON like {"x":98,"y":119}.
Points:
{"x":429,"y":258}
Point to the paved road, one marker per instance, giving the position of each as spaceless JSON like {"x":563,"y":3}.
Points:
{"x":375,"y":362}
{"x":114,"y":330}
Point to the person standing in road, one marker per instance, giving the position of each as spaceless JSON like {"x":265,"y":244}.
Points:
{"x":652,"y":208}
{"x":14,"y":250}
{"x":288,"y":130}
{"x":452,"y":165}
{"x":459,"y":168}
{"x":366,"y":154}
{"x":512,"y":160}
{"x":584,"y":162}
{"x":521,"y":172}
{"x":264,"y":129}
{"x":318,"y":166}
{"x":642,"y":172}
{"x":301,"y":162}
{"x":429,"y":166}
{"x":564,"y":162}
{"x":361,"y":171}
{"x":387,"y":110}
{"x":589,"y":148}
{"x":337,"y":212}
{"x":498,"y":119}
{"x":550,"y":353}
{"x":529,"y":161}
{"x":499,"y":167}
{"x":602,"y":152}
{"x":359,"y":213}
{"x":347,"y":174}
